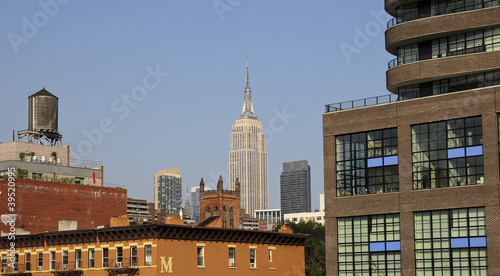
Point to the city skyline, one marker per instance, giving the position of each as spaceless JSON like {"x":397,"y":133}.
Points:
{"x":93,"y":65}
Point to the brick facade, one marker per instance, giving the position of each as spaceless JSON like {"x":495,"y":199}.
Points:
{"x":404,"y":114}
{"x":41,"y":205}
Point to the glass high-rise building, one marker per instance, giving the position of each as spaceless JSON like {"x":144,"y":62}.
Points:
{"x":248,"y":157}
{"x":168,"y":190}
{"x":295,"y":187}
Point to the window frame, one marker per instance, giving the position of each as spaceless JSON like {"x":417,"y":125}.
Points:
{"x":200,"y":253}
{"x":91,"y":255}
{"x":253,"y":258}
{"x":232,"y":257}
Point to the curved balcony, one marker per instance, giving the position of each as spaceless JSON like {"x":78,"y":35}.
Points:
{"x":413,"y":14}
{"x":438,"y":26}
{"x":391,"y":5}
{"x":442,"y":68}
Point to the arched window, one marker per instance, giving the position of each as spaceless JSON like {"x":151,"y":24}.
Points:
{"x":231,"y":218}
{"x":216,"y":212}
{"x":208,"y":213}
{"x":224,"y":217}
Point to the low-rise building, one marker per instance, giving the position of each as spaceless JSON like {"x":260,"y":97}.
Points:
{"x":155,"y":249}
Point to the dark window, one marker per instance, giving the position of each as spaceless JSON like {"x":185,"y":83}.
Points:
{"x":367,"y":162}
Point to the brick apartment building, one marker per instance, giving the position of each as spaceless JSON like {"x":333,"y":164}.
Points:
{"x":412,"y":184}
{"x":155,"y":249}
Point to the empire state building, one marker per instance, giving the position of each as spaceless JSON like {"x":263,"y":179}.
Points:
{"x":248,"y":157}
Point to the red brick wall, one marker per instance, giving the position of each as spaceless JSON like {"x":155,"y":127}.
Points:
{"x":213,"y":199}
{"x":41,"y":205}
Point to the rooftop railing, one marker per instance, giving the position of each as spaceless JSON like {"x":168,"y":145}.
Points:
{"x":370,"y":101}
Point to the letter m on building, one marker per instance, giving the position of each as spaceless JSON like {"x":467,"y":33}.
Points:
{"x":166,"y":267}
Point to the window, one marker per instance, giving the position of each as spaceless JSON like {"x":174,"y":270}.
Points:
{"x":447,"y":153}
{"x":270,"y":255}
{"x":367,"y":162}
{"x":16,"y":262}
{"x":253,"y":259}
{"x":91,"y":258}
{"x":27,"y":261}
{"x":369,"y":245}
{"x":232,"y":257}
{"x":451,"y":242}
{"x":408,"y":53}
{"x":78,"y":258}
{"x":148,"y":255}
{"x":443,"y":86}
{"x":119,"y":257}
{"x":105,"y":257}
{"x":4,"y":262}
{"x":39,"y":256}
{"x":201,"y":255}
{"x":65,"y":260}
{"x":133,"y":255}
{"x":52,"y":260}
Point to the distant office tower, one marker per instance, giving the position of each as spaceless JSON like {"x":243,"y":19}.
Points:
{"x":195,"y":202}
{"x":168,"y":190}
{"x":295,"y":182}
{"x":248,"y":157}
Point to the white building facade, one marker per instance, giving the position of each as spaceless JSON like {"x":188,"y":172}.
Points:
{"x":248,"y":158}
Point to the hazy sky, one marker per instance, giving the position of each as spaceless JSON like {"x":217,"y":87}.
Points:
{"x":150,"y":85}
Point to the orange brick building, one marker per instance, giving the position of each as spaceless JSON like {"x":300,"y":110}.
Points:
{"x":220,"y":203}
{"x":41,"y":205}
{"x":155,"y":249}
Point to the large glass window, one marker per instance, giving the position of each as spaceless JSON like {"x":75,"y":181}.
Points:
{"x":451,"y":242}
{"x":408,"y":53}
{"x":447,"y":153}
{"x":367,"y":162}
{"x":443,"y":86}
{"x":369,"y":245}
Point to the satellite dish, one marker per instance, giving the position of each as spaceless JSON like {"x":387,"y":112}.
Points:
{"x":240,"y":226}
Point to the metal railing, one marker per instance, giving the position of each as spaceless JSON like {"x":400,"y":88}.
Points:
{"x":124,"y":263}
{"x":412,"y":15}
{"x":370,"y":101}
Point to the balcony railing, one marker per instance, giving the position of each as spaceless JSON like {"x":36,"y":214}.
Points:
{"x":370,"y":101}
{"x":413,"y":15}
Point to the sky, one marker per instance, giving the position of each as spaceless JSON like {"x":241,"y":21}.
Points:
{"x":149,"y":85}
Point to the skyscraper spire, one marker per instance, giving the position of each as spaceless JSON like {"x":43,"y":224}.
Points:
{"x":248,"y":112}
{"x":248,"y":77}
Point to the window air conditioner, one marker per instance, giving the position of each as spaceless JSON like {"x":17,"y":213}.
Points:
{"x":118,"y":264}
{"x":65,"y":266}
{"x":148,"y":263}
{"x":39,"y":268}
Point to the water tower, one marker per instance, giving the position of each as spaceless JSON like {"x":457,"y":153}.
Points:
{"x":42,"y":120}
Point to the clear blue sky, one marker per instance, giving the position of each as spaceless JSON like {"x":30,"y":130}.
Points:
{"x":94,"y":55}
